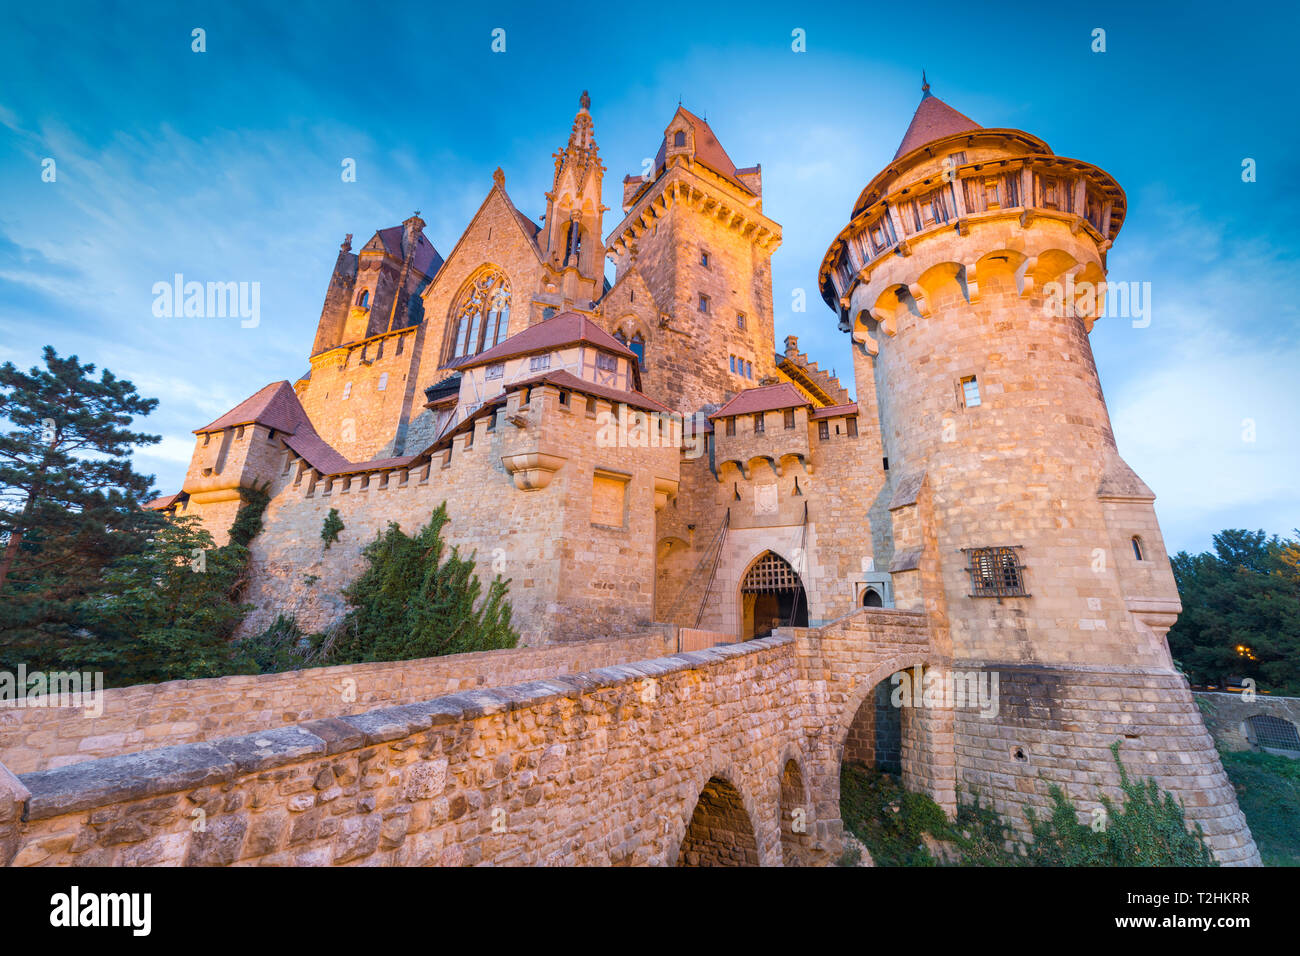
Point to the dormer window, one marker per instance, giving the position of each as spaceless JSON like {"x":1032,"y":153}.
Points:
{"x":679,"y":138}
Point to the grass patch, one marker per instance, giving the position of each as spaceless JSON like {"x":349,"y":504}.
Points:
{"x":1268,"y":792}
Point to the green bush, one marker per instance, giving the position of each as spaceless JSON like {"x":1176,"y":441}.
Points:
{"x":1148,"y":829}
{"x":410,"y":603}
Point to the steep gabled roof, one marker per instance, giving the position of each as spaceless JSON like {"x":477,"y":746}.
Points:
{"x":933,"y":119}
{"x":567,"y":328}
{"x":765,"y":398}
{"x":707,"y":150}
{"x":275,"y":406}
{"x":426,"y":258}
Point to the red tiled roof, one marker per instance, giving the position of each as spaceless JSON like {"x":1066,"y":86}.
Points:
{"x":563,"y":379}
{"x":164,"y":502}
{"x":275,"y":406}
{"x":707,"y":150}
{"x":567,"y":328}
{"x":835,"y":411}
{"x":933,"y":119}
{"x":765,"y":398}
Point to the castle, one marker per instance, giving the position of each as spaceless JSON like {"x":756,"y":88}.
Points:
{"x":638,"y":452}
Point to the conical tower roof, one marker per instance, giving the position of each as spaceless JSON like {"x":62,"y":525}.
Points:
{"x":933,"y":119}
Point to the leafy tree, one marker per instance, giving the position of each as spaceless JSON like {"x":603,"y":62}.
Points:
{"x":410,"y":603}
{"x":69,"y":496}
{"x":1241,"y":611}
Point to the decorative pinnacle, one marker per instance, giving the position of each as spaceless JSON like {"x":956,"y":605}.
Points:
{"x":347,"y":243}
{"x":584,"y":100}
{"x":925,"y":84}
{"x":499,"y":177}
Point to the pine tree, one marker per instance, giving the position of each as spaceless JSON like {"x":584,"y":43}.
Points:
{"x":69,"y":496}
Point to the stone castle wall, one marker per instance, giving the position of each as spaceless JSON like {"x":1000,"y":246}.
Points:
{"x":571,"y":577}
{"x":180,"y":712}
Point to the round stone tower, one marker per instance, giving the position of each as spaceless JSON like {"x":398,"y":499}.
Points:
{"x":970,"y":275}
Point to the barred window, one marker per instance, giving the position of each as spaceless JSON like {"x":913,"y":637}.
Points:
{"x":995,"y":572}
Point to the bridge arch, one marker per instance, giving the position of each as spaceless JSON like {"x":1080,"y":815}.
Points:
{"x":722,"y":829}
{"x":924,"y":736}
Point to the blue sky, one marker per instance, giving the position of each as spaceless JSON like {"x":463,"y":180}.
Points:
{"x":225,"y":166}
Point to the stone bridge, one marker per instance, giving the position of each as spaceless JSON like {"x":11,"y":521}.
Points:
{"x":615,"y":752}
{"x":729,"y":755}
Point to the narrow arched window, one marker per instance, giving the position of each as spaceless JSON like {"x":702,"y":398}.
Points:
{"x":637,"y":345}
{"x":363,"y":299}
{"x":481,"y":317}
{"x":1137,"y":548}
{"x":573,"y":246}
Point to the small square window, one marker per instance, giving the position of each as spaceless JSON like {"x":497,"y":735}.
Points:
{"x":495,"y":371}
{"x":548,"y":313}
{"x":704,"y":302}
{"x":539,"y":363}
{"x":970,"y":392}
{"x":606,"y":362}
{"x":564,"y":398}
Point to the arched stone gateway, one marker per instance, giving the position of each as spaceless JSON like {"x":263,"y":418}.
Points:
{"x":720,"y":832}
{"x":771,"y":595}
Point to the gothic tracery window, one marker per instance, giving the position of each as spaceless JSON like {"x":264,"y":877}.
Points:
{"x":482,"y":316}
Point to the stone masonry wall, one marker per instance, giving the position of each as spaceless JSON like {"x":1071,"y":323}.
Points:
{"x":180,"y":712}
{"x":597,"y":768}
